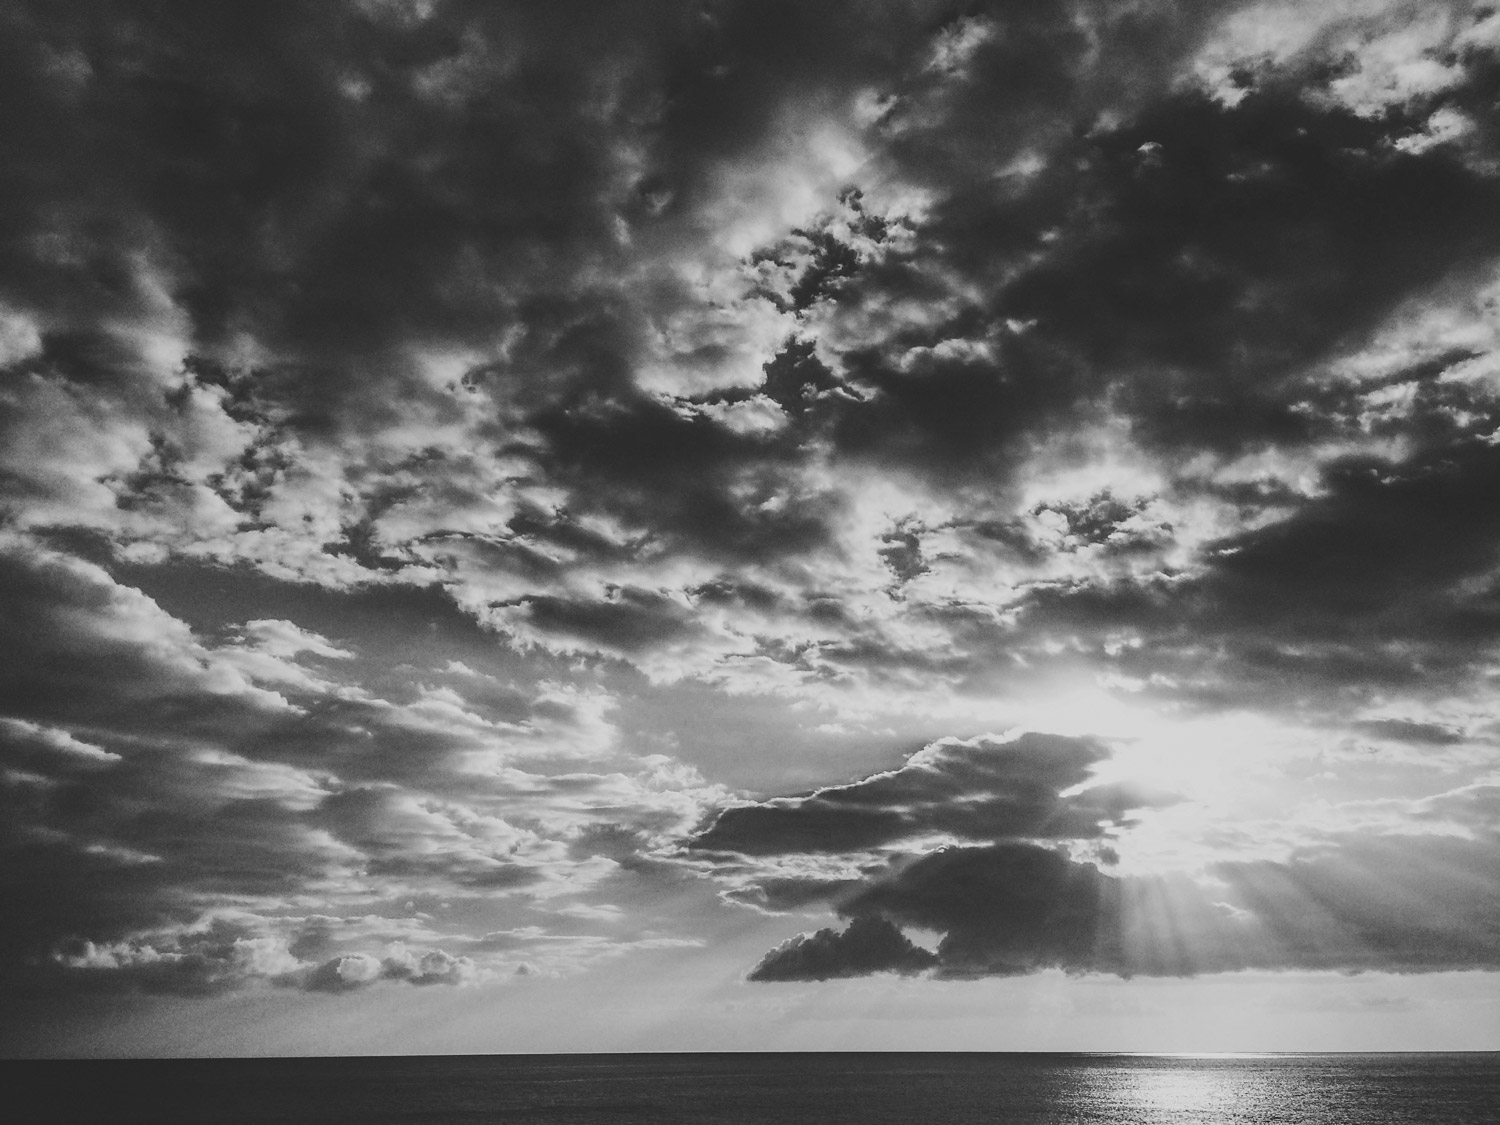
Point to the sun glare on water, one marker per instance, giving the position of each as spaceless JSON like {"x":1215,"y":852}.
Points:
{"x":1174,"y":1090}
{"x":1179,"y":1091}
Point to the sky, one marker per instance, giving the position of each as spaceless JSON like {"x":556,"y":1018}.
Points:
{"x":749,"y":526}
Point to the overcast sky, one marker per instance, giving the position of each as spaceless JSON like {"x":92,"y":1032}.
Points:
{"x":749,"y":525}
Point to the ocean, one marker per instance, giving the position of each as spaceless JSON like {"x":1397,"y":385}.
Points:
{"x":786,"y":1089}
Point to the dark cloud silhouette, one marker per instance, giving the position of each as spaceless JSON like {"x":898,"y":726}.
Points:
{"x":1404,"y":730}
{"x":1004,"y":909}
{"x":867,"y":945}
{"x":980,"y":789}
{"x":1392,"y":904}
{"x":1406,"y":900}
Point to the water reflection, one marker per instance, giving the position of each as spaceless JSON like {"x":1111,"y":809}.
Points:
{"x":1182,"y":1090}
{"x":1166,"y":1090}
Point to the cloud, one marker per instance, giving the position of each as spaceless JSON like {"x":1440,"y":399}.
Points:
{"x":344,"y":974}
{"x":1405,"y":730}
{"x":985,"y":788}
{"x":49,"y":747}
{"x":1420,"y":904}
{"x":1003,"y":909}
{"x":904,"y":318}
{"x":1409,"y":893}
{"x":1375,"y":584}
{"x":355,"y":971}
{"x":868,"y":945}
{"x":167,"y":824}
{"x":232,"y":950}
{"x":224,"y":953}
{"x":1010,"y":906}
{"x":682,"y":215}
{"x":432,"y":967}
{"x":94,"y":643}
{"x":444,"y":448}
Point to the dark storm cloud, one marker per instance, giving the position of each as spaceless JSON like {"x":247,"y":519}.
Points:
{"x":981,"y":789}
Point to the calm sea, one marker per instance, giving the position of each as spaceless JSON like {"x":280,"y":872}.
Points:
{"x":820,"y":1089}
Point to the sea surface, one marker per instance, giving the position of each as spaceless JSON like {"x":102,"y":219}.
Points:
{"x":738,"y":1089}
